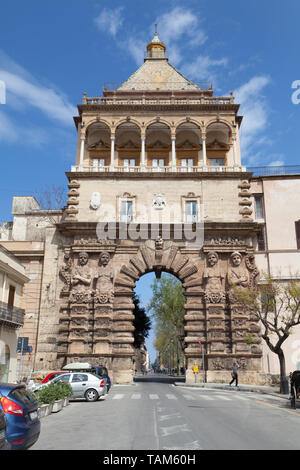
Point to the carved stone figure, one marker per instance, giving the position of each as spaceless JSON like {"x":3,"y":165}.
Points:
{"x":254,"y":272}
{"x":65,"y":271}
{"x":237,"y":275}
{"x":159,"y":201}
{"x":213,"y":278}
{"x":95,"y":201}
{"x":81,"y":279}
{"x":104,"y":280}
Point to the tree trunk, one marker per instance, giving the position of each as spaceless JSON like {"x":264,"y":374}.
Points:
{"x":283,"y":378}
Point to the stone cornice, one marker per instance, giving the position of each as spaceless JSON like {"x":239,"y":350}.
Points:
{"x":72,"y":227}
{"x":156,"y":175}
{"x":213,"y":107}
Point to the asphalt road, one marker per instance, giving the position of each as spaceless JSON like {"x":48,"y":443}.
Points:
{"x":153,"y":414}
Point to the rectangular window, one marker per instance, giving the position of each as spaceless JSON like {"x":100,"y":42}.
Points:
{"x":297,"y":227}
{"x":11,"y":296}
{"x":187,"y":164}
{"x":158,"y":164}
{"x":191,"y":211}
{"x":126,"y":211}
{"x":98,"y":164}
{"x":129,"y":164}
{"x":259,"y":211}
{"x":261,"y":242}
{"x":216,"y":161}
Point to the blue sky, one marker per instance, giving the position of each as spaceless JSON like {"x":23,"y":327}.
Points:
{"x":52,"y":52}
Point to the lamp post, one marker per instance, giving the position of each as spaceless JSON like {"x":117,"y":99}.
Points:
{"x":172,"y":349}
{"x":203,"y":363}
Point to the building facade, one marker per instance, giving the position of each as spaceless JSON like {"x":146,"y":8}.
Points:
{"x":157,"y":186}
{"x":12,"y":281}
{"x":276,"y":201}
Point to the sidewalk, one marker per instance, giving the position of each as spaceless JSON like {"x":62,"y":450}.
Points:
{"x":264,"y":389}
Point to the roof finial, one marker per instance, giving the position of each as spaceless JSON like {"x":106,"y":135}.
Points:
{"x":155,"y":28}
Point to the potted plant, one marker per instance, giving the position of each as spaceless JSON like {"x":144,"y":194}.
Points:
{"x":65,"y":392}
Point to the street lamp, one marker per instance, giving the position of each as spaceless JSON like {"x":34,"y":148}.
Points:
{"x":172,"y":343}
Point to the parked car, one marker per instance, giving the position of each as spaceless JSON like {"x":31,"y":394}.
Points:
{"x":52,"y":376}
{"x":21,"y":412}
{"x":3,"y":442}
{"x":101,"y":371}
{"x":84,"y":385}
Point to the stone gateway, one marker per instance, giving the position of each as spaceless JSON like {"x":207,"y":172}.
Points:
{"x":158,"y":186}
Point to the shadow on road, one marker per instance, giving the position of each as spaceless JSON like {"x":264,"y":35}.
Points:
{"x":161,"y":378}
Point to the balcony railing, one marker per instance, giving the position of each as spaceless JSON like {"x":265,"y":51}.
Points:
{"x":275,"y":170}
{"x":158,"y":101}
{"x":158,"y":169}
{"x":12,"y":315}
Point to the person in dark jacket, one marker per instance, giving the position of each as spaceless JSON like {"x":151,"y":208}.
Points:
{"x":234,"y":374}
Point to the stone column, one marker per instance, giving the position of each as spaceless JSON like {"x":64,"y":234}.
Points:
{"x":112,"y":152}
{"x":235,"y":163}
{"x":173,"y":139}
{"x":143,"y":155}
{"x":204,"y":149}
{"x":82,"y":144}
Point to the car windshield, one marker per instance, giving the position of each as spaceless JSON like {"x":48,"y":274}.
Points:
{"x":62,"y":378}
{"x":22,"y":395}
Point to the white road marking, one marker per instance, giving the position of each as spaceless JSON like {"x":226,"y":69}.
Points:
{"x":118,"y":396}
{"x":136,"y":396}
{"x":170,"y":396}
{"x":170,"y":416}
{"x":189,"y":446}
{"x":168,"y":431}
{"x":153,"y":396}
{"x":222,"y":397}
{"x":189,"y":397}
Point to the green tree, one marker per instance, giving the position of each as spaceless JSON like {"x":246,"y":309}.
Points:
{"x":277,"y":305}
{"x":166,"y":307}
{"x":141,"y":322}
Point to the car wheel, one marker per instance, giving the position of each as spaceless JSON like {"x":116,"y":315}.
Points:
{"x":91,"y":395}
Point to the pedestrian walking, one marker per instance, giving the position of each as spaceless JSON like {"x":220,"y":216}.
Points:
{"x":234,"y":374}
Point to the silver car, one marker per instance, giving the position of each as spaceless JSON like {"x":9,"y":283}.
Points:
{"x":84,"y":385}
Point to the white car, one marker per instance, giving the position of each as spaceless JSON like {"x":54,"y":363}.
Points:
{"x":84,"y":385}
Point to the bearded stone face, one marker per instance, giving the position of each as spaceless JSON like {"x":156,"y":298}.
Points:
{"x":83,"y":259}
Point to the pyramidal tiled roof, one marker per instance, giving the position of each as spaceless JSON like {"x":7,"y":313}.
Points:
{"x":158,"y":74}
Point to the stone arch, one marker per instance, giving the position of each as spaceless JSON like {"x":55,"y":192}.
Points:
{"x":218,"y":121}
{"x":189,"y":120}
{"x":126,"y":120}
{"x":158,"y":257}
{"x":96,"y":121}
{"x":158,"y":120}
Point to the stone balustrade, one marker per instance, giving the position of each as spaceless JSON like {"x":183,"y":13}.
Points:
{"x":158,"y":169}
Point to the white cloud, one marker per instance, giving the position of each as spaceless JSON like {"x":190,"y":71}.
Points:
{"x":180,"y":22}
{"x":276,"y":163}
{"x":110,"y":20}
{"x":7,"y":128}
{"x":11,"y":132}
{"x":23,"y":92}
{"x":50,"y":102}
{"x":203,"y":68}
{"x":255,"y":112}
